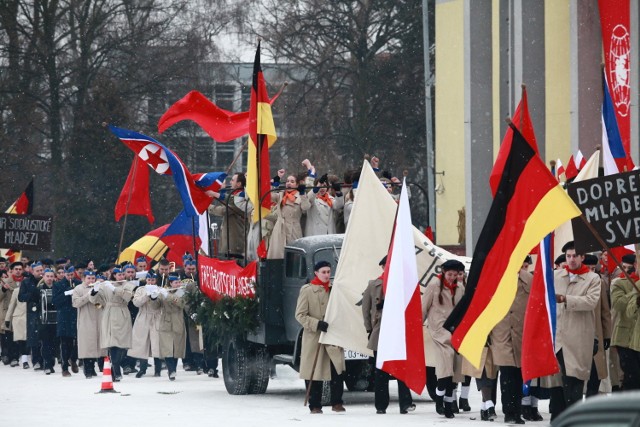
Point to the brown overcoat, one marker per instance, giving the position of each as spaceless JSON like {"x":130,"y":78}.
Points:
{"x":371,"y":297}
{"x":603,"y":331}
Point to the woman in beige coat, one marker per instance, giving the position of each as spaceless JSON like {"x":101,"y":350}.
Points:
{"x":16,"y":320}
{"x":173,"y":335}
{"x":310,"y":310}
{"x":323,"y":208}
{"x":289,"y":207}
{"x":115,"y":329}
{"x":438,"y":302}
{"x":145,"y":340}
{"x":89,"y":320}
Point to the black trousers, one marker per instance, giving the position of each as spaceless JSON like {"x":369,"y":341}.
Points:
{"x":337,"y":387}
{"x":117,"y":355}
{"x":511,"y":388}
{"x":48,"y":346}
{"x":446,"y":384}
{"x":568,"y":394}
{"x":157,"y":365}
{"x":381,"y":389}
{"x":630,"y":364}
{"x":36,"y":354}
{"x":9,"y":348}
{"x":88,"y":366}
{"x":67,"y":345}
{"x":593,"y":385}
{"x":210,"y":355}
{"x":172,"y":364}
{"x":432,"y":381}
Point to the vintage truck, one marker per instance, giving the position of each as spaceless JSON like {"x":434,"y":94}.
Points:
{"x":247,"y":360}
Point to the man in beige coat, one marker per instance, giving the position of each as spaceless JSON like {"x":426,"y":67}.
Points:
{"x":89,"y":319}
{"x":310,"y":311}
{"x":625,"y":330}
{"x":15,"y":319}
{"x":577,"y":294}
{"x":7,"y":285}
{"x":506,"y":349}
{"x":172,"y":332}
{"x":145,"y":341}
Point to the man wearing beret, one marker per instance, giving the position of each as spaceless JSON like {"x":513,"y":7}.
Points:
{"x":577,"y":295}
{"x":67,"y":329}
{"x":310,"y":311}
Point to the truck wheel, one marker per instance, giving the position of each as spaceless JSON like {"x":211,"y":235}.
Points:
{"x":358,"y":375}
{"x":260,"y":370}
{"x":236,"y":368}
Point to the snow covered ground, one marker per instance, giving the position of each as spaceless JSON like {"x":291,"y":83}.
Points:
{"x":31,"y":398}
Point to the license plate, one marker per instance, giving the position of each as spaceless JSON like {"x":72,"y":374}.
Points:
{"x":354,"y":355}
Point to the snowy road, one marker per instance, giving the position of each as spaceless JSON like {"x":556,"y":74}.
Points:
{"x":33,"y":399}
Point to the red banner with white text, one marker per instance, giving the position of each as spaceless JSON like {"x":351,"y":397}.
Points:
{"x":219,"y":278}
{"x":616,"y":42}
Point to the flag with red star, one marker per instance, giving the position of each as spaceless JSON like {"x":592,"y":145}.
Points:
{"x":166,"y":162}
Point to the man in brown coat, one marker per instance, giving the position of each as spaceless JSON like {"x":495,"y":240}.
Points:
{"x":310,"y":311}
{"x":577,"y":294}
{"x":506,"y":349}
{"x":372,"y":306}
{"x":234,"y":220}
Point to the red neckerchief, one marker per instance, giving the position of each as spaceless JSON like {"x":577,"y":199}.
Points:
{"x":326,"y":198}
{"x":289,"y":195}
{"x":451,"y":286}
{"x":634,"y":276}
{"x":581,"y":270}
{"x":319,"y":282}
{"x":19,"y":278}
{"x":237,"y":191}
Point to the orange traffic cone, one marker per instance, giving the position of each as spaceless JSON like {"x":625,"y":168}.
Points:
{"x":107,"y":381}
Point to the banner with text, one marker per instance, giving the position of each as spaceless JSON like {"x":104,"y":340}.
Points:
{"x":26,"y":232}
{"x":219,"y":278}
{"x":611,"y":204}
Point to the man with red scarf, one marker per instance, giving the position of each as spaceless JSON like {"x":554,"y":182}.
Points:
{"x":310,"y":311}
{"x":577,"y":294}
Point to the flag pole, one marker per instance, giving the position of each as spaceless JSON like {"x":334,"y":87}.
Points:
{"x":608,"y":249}
{"x":193,"y":235}
{"x":126,"y":210}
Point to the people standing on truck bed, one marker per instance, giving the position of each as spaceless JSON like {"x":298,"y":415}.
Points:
{"x":323,"y":206}
{"x":234,"y":220}
{"x":372,"y":306}
{"x":289,"y":207}
{"x":328,"y":359}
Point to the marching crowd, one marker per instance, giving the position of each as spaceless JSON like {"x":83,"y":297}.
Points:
{"x":78,"y":314}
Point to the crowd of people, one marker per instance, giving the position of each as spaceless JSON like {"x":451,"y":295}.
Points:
{"x":597,"y":342}
{"x":78,"y":314}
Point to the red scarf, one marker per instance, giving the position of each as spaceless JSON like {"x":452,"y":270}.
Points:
{"x":451,"y":286}
{"x":319,"y":282}
{"x":19,"y":278}
{"x":326,"y":198}
{"x":289,"y":195}
{"x":634,"y":276}
{"x":581,"y":270}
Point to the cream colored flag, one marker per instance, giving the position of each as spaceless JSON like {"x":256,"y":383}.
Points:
{"x":366,"y":241}
{"x":564,"y":233}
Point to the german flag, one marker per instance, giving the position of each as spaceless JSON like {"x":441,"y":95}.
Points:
{"x":262,"y":135}
{"x":529,"y":204}
{"x":22,"y":206}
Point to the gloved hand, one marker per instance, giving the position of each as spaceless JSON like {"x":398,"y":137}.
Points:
{"x":606,"y":343}
{"x":380,"y":305}
{"x":7,"y":324}
{"x":302,"y":188}
{"x":94,"y":292}
{"x":164,"y":292}
{"x":595,"y":346}
{"x":154,"y":294}
{"x":109,"y":286}
{"x":96,"y":287}
{"x":180,"y":293}
{"x":194,"y":316}
{"x":323,"y":326}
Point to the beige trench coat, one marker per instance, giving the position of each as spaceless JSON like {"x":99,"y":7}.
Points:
{"x":371,"y":315}
{"x":633,"y":313}
{"x":321,"y":216}
{"x":435,"y":314}
{"x":145,"y":340}
{"x":173,"y":335}
{"x":5,"y":300}
{"x":89,"y":321}
{"x":287,"y":227}
{"x":576,"y":321}
{"x":603,"y":331}
{"x":311,"y":307}
{"x":115,"y":329}
{"x":506,"y":336}
{"x":17,"y":315}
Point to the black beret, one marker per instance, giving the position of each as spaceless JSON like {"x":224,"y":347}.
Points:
{"x":590,"y":259}
{"x":562,"y":258}
{"x":629,"y":258}
{"x":452,"y":264}
{"x":568,"y":245}
{"x":321,"y":264}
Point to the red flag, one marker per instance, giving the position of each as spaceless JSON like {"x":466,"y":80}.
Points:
{"x":134,"y":198}
{"x":22,"y":206}
{"x":401,"y":346}
{"x":522,"y":121}
{"x":616,"y":43}
{"x":428,"y":232}
{"x":574,"y":165}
